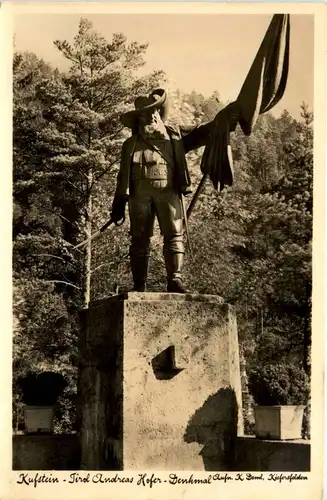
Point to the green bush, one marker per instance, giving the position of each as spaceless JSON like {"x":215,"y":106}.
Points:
{"x":279,"y":384}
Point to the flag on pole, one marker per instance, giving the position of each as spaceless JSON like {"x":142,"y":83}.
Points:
{"x":266,"y":81}
{"x":262,"y":89}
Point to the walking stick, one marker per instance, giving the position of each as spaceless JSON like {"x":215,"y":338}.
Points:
{"x":185,"y":224}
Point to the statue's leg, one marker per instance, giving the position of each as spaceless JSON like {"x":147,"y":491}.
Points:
{"x":174,"y":259}
{"x":139,"y":258}
{"x":141,"y":212}
{"x":170,"y":217}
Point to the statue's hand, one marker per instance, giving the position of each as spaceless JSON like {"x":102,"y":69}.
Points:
{"x":231,"y":113}
{"x":118,"y":210}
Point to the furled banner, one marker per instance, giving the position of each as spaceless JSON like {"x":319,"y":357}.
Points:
{"x":262,"y":89}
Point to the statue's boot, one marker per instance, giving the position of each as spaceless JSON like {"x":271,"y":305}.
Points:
{"x":174,"y":265}
{"x":139,"y":259}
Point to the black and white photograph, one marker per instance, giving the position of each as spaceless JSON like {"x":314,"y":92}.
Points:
{"x":163,"y":205}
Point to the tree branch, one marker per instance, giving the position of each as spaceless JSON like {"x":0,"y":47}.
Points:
{"x":53,"y":257}
{"x":116,"y":133}
{"x":102,"y":100}
{"x":58,"y":215}
{"x":101,"y":265}
{"x":75,"y":187}
{"x":64,"y":282}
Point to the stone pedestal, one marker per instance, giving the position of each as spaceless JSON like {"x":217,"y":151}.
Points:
{"x":160,"y":384}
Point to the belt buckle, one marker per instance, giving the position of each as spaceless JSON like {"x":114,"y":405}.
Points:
{"x":157,"y":172}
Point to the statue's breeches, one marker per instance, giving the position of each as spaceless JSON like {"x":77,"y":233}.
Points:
{"x":156,"y":198}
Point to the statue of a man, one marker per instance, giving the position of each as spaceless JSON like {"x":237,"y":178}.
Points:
{"x":153,"y":177}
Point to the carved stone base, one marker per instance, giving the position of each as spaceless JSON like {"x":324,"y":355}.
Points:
{"x":160,"y":384}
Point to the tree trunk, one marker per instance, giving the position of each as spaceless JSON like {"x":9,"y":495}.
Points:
{"x":307,"y":332}
{"x":88,"y":247}
{"x":246,"y":309}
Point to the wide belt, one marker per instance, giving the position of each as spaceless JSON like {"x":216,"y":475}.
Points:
{"x":156,"y":172}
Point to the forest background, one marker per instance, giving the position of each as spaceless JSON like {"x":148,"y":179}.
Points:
{"x":252,"y":242}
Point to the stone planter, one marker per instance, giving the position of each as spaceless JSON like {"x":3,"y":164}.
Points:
{"x":278,"y":422}
{"x":38,"y":419}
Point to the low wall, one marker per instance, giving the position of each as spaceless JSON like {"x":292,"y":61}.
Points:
{"x":252,"y":454}
{"x":61,"y":452}
{"x":46,"y":452}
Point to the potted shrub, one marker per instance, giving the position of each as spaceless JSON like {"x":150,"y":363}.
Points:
{"x":281,"y":393}
{"x":40,"y":394}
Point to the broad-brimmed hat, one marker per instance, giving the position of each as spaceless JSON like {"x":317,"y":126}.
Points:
{"x":156,"y":100}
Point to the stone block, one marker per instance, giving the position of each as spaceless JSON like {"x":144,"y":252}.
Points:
{"x":160,"y":384}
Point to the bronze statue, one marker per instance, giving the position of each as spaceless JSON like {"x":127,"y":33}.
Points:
{"x":153,"y":177}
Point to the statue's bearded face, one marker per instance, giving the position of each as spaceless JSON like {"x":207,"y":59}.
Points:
{"x":151,"y":124}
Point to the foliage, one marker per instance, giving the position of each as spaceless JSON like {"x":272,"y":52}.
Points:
{"x":279,"y":384}
{"x":43,"y":389}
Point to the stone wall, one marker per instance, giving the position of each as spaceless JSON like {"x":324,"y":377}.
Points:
{"x":46,"y":452}
{"x":253,"y":454}
{"x":61,"y":452}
